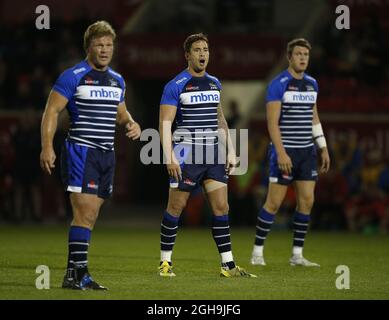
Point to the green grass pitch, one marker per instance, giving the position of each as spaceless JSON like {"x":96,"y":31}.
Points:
{"x":125,"y":260}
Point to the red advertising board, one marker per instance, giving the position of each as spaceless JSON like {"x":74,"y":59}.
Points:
{"x":161,"y":56}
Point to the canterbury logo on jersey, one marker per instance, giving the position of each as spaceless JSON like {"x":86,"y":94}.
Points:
{"x":99,"y":92}
{"x":299,"y":97}
{"x":200,"y":97}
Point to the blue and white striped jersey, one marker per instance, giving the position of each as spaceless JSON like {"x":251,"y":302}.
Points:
{"x":197,"y":100}
{"x":93,"y":97}
{"x":297,"y":96}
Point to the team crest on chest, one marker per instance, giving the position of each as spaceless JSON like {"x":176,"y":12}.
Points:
{"x":213,"y":86}
{"x":113,"y":82}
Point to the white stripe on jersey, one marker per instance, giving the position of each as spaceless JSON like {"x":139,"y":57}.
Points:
{"x":194,"y":109}
{"x":213,"y":126}
{"x":198,"y":144}
{"x":87,"y":129}
{"x":95,"y":124}
{"x":199,"y":114}
{"x":301,"y":111}
{"x":98,"y":118}
{"x":207,"y":120}
{"x":296,"y":121}
{"x":196,"y":132}
{"x":298,"y":138}
{"x":297,"y":127}
{"x":206,"y":138}
{"x":288,"y":116}
{"x":306,"y":141}
{"x":297,"y":146}
{"x":98,"y":111}
{"x":292,"y":132}
{"x":88,"y":142}
{"x":97,"y":137}
{"x":97,"y":105}
{"x":296,"y":107}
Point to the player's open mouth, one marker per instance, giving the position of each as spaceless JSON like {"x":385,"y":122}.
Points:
{"x":202,"y":62}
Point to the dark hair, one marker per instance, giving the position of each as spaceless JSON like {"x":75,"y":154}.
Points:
{"x":301,"y":42}
{"x":193,"y":38}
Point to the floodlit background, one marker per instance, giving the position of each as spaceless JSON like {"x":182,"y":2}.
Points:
{"x":247,"y":41}
{"x":247,"y":44}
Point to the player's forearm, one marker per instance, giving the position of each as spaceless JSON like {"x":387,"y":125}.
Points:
{"x":225,"y":133}
{"x":275,"y":136}
{"x":125,"y":118}
{"x":165,"y":133}
{"x":48,"y":128}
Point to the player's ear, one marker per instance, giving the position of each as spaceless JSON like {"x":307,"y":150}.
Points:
{"x":186,"y":56}
{"x":87,"y":50}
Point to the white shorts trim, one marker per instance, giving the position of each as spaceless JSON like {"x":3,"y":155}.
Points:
{"x":74,"y":189}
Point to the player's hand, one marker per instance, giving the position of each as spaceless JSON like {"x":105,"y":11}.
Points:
{"x":174,"y":169}
{"x":231,"y":162}
{"x":47,"y":159}
{"x":324,"y":160}
{"x":133,"y":130}
{"x":285,"y":163}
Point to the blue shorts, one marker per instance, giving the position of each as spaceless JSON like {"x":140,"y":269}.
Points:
{"x":194,"y":174}
{"x":304,"y":162}
{"x":87,"y":170}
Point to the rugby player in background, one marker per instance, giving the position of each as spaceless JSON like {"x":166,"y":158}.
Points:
{"x":294,"y":126}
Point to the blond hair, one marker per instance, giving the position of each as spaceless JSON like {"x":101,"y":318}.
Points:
{"x":97,"y":30}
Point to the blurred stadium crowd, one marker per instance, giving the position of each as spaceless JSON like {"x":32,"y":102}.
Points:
{"x":353,"y":74}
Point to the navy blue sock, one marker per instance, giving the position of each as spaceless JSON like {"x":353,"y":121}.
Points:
{"x":221,"y":235}
{"x":169,"y":227}
{"x":300,"y":228}
{"x":264,"y":222}
{"x":79,"y":238}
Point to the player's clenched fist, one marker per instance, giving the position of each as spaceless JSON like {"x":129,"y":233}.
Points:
{"x":133,"y":130}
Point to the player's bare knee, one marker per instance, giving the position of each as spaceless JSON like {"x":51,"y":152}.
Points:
{"x":175,"y":207}
{"x":90,"y":219}
{"x":305,"y":204}
{"x":85,"y":219}
{"x":220,"y":208}
{"x":272,"y":206}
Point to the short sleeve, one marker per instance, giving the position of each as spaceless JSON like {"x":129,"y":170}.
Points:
{"x":123,"y":92}
{"x":274,"y":91}
{"x":170,"y":94}
{"x":219,"y":84}
{"x":316,"y":85}
{"x":66,"y":84}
